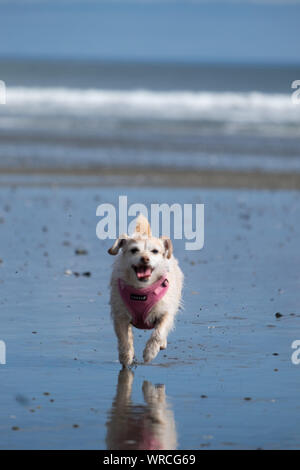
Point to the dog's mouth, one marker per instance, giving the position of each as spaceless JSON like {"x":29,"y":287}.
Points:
{"x":143,"y":273}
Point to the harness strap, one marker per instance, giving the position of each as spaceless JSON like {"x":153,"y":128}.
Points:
{"x":140,"y":301}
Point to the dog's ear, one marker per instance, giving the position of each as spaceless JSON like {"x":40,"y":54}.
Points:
{"x":119,"y":243}
{"x":168,"y":247}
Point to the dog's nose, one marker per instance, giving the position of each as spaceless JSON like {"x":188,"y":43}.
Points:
{"x":145,"y":259}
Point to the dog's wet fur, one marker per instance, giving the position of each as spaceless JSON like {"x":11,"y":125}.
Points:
{"x":142,"y":260}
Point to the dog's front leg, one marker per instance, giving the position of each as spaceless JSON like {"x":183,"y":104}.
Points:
{"x":158,"y":339}
{"x":124,"y":334}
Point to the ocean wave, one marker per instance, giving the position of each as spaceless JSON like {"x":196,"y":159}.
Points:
{"x":231,"y":107}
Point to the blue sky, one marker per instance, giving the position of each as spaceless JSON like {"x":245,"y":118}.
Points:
{"x":201,"y":31}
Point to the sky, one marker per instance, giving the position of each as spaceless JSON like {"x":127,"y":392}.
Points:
{"x":248,"y":31}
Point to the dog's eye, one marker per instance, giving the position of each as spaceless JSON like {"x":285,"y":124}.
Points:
{"x":134,"y":250}
{"x":155,"y":251}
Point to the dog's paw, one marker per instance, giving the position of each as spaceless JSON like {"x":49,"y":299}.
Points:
{"x":126,"y":358}
{"x":151,"y":350}
{"x":163,"y":344}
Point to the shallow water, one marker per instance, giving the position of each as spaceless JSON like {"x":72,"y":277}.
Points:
{"x":74,"y":114}
{"x":226,"y":379}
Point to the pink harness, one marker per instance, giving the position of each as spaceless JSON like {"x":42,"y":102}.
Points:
{"x":140,"y":301}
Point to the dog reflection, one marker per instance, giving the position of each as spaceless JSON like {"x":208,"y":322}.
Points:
{"x":140,"y":427}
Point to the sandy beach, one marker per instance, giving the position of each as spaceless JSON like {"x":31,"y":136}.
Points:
{"x":163,"y":102}
{"x":238,"y":387}
{"x":152,"y":177}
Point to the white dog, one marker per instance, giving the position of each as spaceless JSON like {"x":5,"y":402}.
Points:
{"x":146,"y":286}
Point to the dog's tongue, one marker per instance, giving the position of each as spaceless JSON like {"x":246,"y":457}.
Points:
{"x":143,"y":271}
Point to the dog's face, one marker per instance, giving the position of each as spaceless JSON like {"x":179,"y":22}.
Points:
{"x":146,"y":258}
{"x":143,"y":260}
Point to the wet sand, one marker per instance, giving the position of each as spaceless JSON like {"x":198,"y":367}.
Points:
{"x":153,"y":177}
{"x":226,"y":380}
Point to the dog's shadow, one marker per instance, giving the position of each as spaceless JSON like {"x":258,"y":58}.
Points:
{"x":150,"y":426}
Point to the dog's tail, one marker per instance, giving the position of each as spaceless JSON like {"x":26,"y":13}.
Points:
{"x":142,"y":226}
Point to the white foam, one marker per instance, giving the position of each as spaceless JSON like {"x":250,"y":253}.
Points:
{"x":230,"y":107}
